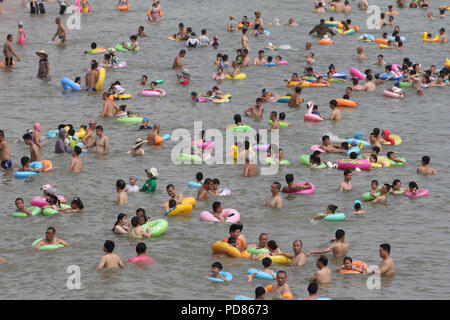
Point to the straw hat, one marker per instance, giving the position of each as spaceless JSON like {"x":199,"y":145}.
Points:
{"x":42,"y":52}
{"x":139,"y":142}
{"x":153,"y":171}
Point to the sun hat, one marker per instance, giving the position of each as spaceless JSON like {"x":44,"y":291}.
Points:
{"x":45,"y":187}
{"x":153,"y":172}
{"x":42,"y":52}
{"x":396,"y":90}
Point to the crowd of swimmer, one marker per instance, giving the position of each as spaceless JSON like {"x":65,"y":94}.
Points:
{"x":91,"y":136}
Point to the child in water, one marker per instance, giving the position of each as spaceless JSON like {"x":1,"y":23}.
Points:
{"x":348,"y":266}
{"x":413,"y":187}
{"x":21,"y":34}
{"x":215,"y":269}
{"x":357,"y":207}
{"x":331,"y":209}
{"x":266,"y":262}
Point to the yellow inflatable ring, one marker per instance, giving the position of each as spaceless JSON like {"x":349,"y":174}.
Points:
{"x":101,"y":79}
{"x":225,"y":247}
{"x":181,"y":209}
{"x":239,"y":76}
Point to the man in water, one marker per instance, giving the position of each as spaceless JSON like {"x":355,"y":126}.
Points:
{"x":76,"y":165}
{"x":443,"y":38}
{"x":262,"y":241}
{"x":323,"y":275}
{"x":152,"y":134}
{"x":60,"y":31}
{"x":328,"y":147}
{"x":386,"y":266}
{"x":369,"y":86}
{"x":178,"y":64}
{"x":338,"y":5}
{"x":35,"y":154}
{"x":110,"y":108}
{"x":292,"y":187}
{"x":205,"y":192}
{"x":298,"y":258}
{"x":336,"y":113}
{"x":321,"y":29}
{"x":178,"y":197}
{"x":255,"y":111}
{"x":110,"y":260}
{"x":296,"y":99}
{"x":9,"y":52}
{"x":92,"y":77}
{"x":250,"y":169}
{"x":259,"y":60}
{"x":245,"y":62}
{"x":275,"y":200}
{"x":5,"y":154}
{"x":280,"y":286}
{"x":88,"y":138}
{"x":382,"y":198}
{"x":339,"y":249}
{"x":101,"y":141}
{"x":346,"y":185}
{"x":425,"y":169}
{"x":50,"y":239}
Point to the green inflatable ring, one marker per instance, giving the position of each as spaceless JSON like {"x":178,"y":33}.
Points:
{"x":34,"y":212}
{"x":242,"y":128}
{"x":48,"y":246}
{"x":304,"y":159}
{"x":130,"y":120}
{"x":367,"y":197}
{"x":157,"y":227}
{"x":189,"y":157}
{"x":282,"y":124}
{"x":49,"y":211}
{"x":119,"y":47}
{"x":335,"y":217}
{"x":255,"y":251}
{"x":270,"y":160}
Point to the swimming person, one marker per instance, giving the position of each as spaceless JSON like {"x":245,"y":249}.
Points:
{"x":339,"y":249}
{"x":110,"y":260}
{"x":50,"y":239}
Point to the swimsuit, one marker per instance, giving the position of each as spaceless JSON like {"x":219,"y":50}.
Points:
{"x":6,"y":164}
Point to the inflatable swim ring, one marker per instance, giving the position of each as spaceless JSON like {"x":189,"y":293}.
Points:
{"x":48,"y":246}
{"x":229,"y":215}
{"x":334,"y":217}
{"x":68,"y":84}
{"x":180,"y":209}
{"x":304,"y":159}
{"x":130,"y":120}
{"x":420,"y":193}
{"x":101,"y":79}
{"x":307,"y":191}
{"x":34,"y":212}
{"x":240,"y":76}
{"x":224,"y":274}
{"x":350,"y":164}
{"x":259,"y":274}
{"x":157,"y":227}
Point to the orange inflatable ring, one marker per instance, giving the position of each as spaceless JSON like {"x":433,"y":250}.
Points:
{"x":357,"y":264}
{"x":317,"y":85}
{"x":123,"y":7}
{"x":46,"y":163}
{"x":346,"y":103}
{"x":158,"y":140}
{"x":160,"y":13}
{"x":3,"y":65}
{"x":291,"y":84}
{"x":325,"y":42}
{"x":382,"y":41}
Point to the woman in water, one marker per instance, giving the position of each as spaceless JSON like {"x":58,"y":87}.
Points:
{"x":75,"y":206}
{"x":155,"y":12}
{"x":121,"y":224}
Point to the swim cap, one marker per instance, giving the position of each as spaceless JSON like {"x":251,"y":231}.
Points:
{"x":145,"y":119}
{"x":355,"y":202}
{"x":358,"y":135}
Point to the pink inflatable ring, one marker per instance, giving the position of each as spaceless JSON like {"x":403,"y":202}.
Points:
{"x":307,"y":191}
{"x":38,"y":202}
{"x":420,"y":193}
{"x":230,"y":215}
{"x":351,"y":164}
